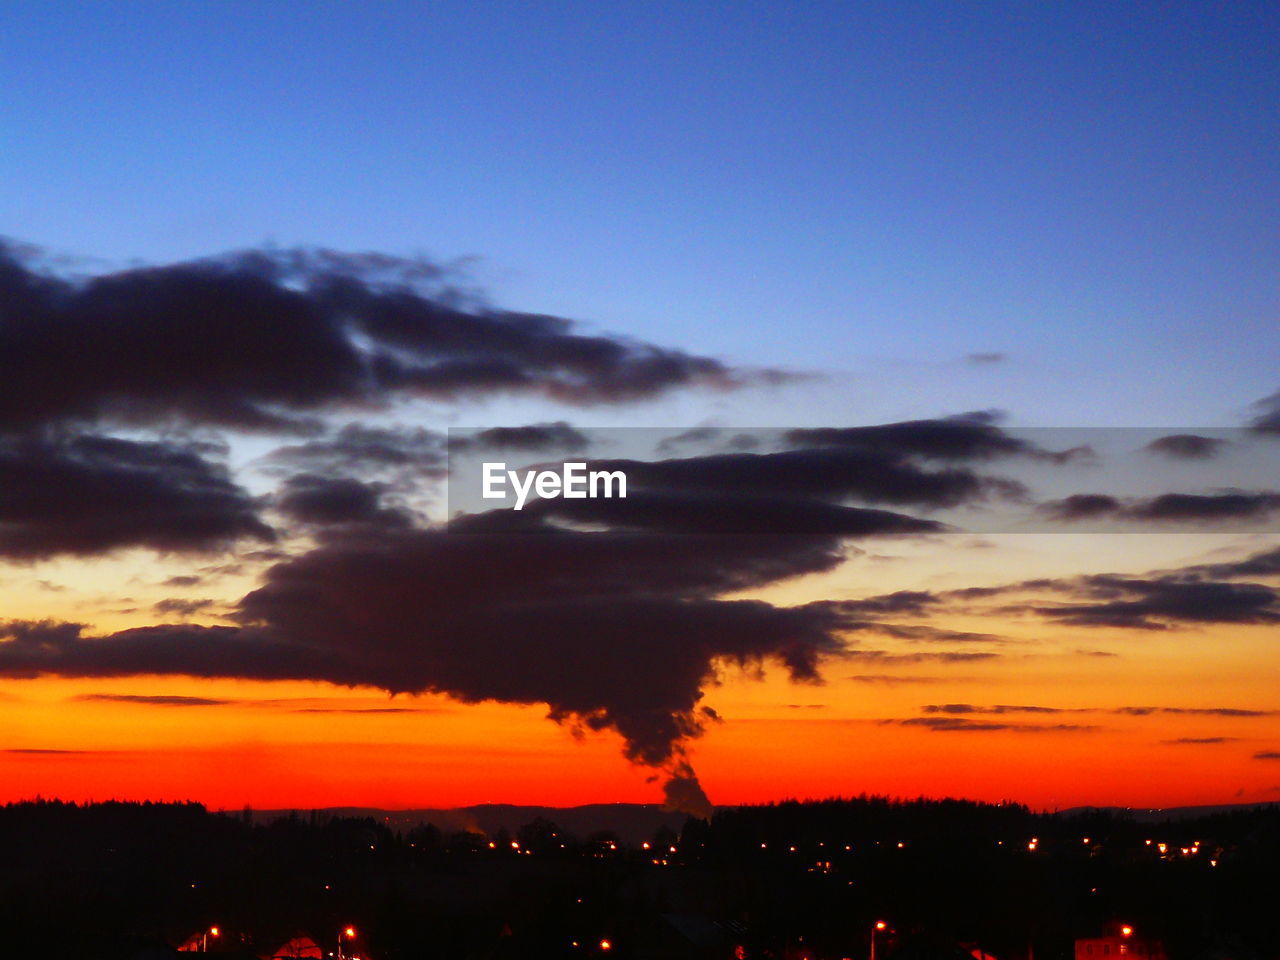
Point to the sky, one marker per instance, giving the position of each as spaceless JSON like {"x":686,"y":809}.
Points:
{"x":224,"y":462}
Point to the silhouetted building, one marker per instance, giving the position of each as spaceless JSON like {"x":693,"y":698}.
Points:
{"x":1119,"y":941}
{"x":299,"y":948}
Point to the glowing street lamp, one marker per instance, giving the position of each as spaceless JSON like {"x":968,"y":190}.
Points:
{"x":1126,"y":931}
{"x":204,"y":938}
{"x":346,"y":933}
{"x":876,"y":928}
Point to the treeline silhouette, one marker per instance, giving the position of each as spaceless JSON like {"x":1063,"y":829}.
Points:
{"x":787,"y":879}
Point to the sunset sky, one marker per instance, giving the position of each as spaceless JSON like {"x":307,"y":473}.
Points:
{"x":274,"y":271}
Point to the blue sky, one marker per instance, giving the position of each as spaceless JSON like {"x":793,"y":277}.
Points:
{"x":875,"y":190}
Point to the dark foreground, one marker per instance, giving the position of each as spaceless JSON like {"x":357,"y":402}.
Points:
{"x":947,"y":878}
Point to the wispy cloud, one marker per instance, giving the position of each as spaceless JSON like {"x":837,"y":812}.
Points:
{"x":966,"y":725}
{"x":151,"y":700}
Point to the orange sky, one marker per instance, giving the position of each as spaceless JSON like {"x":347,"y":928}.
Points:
{"x":265,"y":751}
{"x":305,"y":745}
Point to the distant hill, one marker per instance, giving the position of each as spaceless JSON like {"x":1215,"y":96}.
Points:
{"x":632,"y":822}
{"x":1162,"y":814}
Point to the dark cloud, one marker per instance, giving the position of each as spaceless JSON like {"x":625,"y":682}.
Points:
{"x":214,"y":570}
{"x":697,"y":436}
{"x":1228,"y":505}
{"x":1195,"y":711}
{"x":1081,"y":506}
{"x":1186,"y":446}
{"x":31,"y":649}
{"x":624,"y":562}
{"x":271,"y":341}
{"x":893,"y":679}
{"x":358,"y":449}
{"x":1160,"y":602}
{"x":824,"y":473}
{"x":682,"y":791}
{"x":887,"y":657}
{"x":534,"y":438}
{"x":967,"y":437}
{"x":174,"y":700}
{"x":965,"y":725}
{"x":1263,"y":564}
{"x":981,"y":593}
{"x":986,"y":359}
{"x":360,"y":710}
{"x":183,"y":580}
{"x":966,"y":709}
{"x":312,"y":499}
{"x":1196,"y":594}
{"x":610,"y":630}
{"x":162,"y":700}
{"x":1156,"y":601}
{"x":92,"y":494}
{"x":44,"y":751}
{"x":1267,"y":755}
{"x":925,"y":634}
{"x":1000,"y":708}
{"x":1205,"y":741}
{"x":790,"y":491}
{"x":711,"y":437}
{"x":898,"y":603}
{"x":721,"y":513}
{"x":268,"y":555}
{"x":611,"y":633}
{"x":182,"y":607}
{"x":1177,"y":507}
{"x":1268,"y":419}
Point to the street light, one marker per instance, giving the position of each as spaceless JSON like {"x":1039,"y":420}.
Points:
{"x":876,"y":928}
{"x":349,"y":933}
{"x":204,"y":938}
